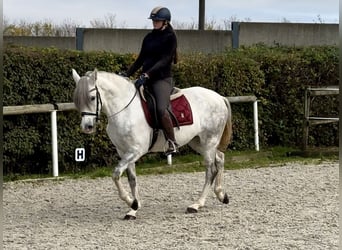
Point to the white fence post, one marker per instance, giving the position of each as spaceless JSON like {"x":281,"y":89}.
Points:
{"x":169,"y":159}
{"x":54,"y":142}
{"x":256,"y":126}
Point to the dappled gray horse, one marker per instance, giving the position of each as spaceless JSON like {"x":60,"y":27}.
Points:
{"x":116,"y":96}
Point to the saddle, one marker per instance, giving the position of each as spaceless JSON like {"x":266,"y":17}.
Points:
{"x":179,"y":110}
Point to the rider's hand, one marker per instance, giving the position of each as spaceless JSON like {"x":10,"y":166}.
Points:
{"x":141,"y":81}
{"x":139,"y":84}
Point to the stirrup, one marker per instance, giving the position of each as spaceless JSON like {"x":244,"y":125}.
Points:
{"x":172,"y":147}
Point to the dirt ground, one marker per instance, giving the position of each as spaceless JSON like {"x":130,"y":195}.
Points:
{"x":288,"y":207}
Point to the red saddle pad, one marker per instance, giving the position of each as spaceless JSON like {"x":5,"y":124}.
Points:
{"x":180,"y":108}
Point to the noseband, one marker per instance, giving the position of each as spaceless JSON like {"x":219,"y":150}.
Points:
{"x":98,"y":103}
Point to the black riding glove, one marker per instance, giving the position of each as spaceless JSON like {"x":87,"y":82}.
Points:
{"x":141,"y":81}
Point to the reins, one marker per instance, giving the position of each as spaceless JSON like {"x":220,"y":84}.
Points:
{"x":99,"y":102}
{"x":135,"y":93}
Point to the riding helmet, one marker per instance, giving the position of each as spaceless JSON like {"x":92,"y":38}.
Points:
{"x":160,"y":14}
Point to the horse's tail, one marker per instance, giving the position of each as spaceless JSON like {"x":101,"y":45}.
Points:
{"x":227,"y":132}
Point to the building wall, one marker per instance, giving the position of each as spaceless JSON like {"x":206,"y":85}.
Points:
{"x":207,"y":41}
{"x":291,"y":34}
{"x":129,"y":40}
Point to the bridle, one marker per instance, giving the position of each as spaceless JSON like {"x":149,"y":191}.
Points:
{"x":135,"y":93}
{"x":99,"y":102}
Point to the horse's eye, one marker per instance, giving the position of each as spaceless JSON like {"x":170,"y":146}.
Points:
{"x":92,"y":98}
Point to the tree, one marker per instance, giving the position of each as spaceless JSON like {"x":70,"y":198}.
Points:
{"x":40,"y":28}
{"x":285,"y":20}
{"x":108,"y":22}
{"x":319,"y":19}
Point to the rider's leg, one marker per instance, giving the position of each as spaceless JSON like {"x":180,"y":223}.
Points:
{"x":169,"y":133}
{"x":162,"y":90}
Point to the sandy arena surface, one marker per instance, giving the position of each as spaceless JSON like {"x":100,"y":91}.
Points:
{"x":289,"y":207}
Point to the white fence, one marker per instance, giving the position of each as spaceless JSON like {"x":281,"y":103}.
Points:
{"x":53,"y":108}
{"x":44,"y":108}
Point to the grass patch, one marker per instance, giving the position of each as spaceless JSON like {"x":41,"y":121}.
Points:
{"x":157,"y":163}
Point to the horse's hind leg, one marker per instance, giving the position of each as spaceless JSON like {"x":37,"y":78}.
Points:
{"x":219,"y":162}
{"x":210,"y":175}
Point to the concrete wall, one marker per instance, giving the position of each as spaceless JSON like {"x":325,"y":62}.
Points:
{"x":208,"y":41}
{"x":291,"y":34}
{"x":114,"y":40}
{"x":129,"y":40}
{"x":205,"y":41}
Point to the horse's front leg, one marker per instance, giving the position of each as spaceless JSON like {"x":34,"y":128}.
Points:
{"x":123,"y":194}
{"x":132,"y":180}
{"x":122,"y":166}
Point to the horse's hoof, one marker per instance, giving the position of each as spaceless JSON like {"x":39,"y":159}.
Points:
{"x":191,"y":210}
{"x":225,"y":199}
{"x":129,"y":217}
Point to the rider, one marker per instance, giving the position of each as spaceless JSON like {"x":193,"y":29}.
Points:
{"x":158,"y":52}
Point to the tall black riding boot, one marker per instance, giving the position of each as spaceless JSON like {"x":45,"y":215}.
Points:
{"x":169,"y":134}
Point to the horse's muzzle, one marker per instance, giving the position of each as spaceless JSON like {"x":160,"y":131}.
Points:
{"x":88,"y":125}
{"x":89,"y":129}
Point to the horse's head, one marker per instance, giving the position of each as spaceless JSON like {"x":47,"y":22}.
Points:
{"x":87,"y":100}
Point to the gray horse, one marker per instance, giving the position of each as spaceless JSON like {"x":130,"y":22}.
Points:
{"x":116,"y":96}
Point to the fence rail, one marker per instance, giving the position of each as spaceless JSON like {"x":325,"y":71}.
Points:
{"x":37,"y":108}
{"x":310,"y":94}
{"x":53,"y":108}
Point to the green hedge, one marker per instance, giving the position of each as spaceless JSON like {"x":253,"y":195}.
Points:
{"x":288,"y":72}
{"x":277,"y":76}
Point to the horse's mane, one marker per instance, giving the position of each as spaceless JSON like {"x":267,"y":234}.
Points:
{"x":81,"y":93}
{"x":81,"y":96}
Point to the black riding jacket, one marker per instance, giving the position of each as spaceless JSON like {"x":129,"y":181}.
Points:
{"x":157,"y":53}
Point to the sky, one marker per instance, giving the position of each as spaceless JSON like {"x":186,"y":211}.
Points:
{"x":134,"y":13}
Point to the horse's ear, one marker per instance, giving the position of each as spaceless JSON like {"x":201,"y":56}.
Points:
{"x":75,"y":76}
{"x":95,"y":74}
